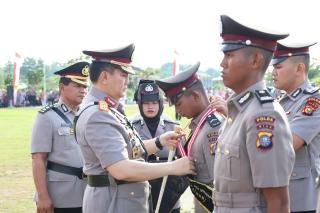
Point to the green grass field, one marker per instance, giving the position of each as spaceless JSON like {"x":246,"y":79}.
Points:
{"x":16,"y":183}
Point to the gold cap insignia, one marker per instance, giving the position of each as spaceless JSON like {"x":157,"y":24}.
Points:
{"x":85,"y":70}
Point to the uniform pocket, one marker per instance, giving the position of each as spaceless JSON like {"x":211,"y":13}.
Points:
{"x":133,"y":197}
{"x":67,"y":135}
{"x":230,"y":158}
{"x":300,"y":172}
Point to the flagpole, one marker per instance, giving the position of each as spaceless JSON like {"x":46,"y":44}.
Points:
{"x":44,"y":85}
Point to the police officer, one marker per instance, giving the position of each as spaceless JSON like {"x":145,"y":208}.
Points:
{"x":254,"y":156}
{"x":56,"y":157}
{"x":186,"y":92}
{"x":149,"y":123}
{"x":114,"y":154}
{"x":301,"y":102}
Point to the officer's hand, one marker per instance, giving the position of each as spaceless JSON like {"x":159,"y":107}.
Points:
{"x":44,"y":205}
{"x":218,"y":103}
{"x":170,"y":138}
{"x":184,"y":166}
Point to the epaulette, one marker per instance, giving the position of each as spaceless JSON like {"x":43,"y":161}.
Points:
{"x":169,"y":120}
{"x":47,"y":108}
{"x":213,"y":120}
{"x":311,"y":90}
{"x":264,"y":96}
{"x":103,"y":106}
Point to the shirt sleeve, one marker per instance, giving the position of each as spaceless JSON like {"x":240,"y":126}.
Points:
{"x":106,"y":138}
{"x":306,"y":125}
{"x":270,"y":150}
{"x":41,"y":134}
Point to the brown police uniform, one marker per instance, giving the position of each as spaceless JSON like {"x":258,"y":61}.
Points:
{"x":255,"y":145}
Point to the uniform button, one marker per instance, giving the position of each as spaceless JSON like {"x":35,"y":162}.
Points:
{"x":218,"y":149}
{"x":294,"y":174}
{"x":226,"y":152}
{"x":131,"y":193}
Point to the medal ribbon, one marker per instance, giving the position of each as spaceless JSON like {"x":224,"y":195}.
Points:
{"x":209,"y":110}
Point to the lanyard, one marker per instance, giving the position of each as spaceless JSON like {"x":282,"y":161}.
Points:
{"x":195,"y":133}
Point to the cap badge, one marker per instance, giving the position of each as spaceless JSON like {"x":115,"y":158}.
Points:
{"x":248,"y":42}
{"x":85,"y":70}
{"x":289,"y":54}
{"x":148,"y":88}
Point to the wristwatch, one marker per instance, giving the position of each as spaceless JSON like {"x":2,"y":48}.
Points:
{"x":158,"y":144}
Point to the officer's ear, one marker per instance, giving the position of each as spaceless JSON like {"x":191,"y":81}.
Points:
{"x":301,"y":69}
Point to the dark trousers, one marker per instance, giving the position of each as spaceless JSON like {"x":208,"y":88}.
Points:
{"x":68,"y":210}
{"x":305,"y":212}
{"x":177,"y":210}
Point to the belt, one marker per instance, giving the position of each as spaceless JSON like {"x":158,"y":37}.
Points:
{"x":101,"y":181}
{"x":238,"y":200}
{"x":65,"y":169}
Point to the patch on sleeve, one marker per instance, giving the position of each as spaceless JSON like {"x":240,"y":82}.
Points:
{"x":264,"y":141}
{"x":265,"y":122}
{"x":311,"y":106}
{"x":103,"y":105}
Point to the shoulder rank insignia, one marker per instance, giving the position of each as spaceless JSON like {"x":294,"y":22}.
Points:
{"x":213,"y":120}
{"x":264,"y":96}
{"x":311,"y":90}
{"x":264,"y":140}
{"x":103,"y":105}
{"x":312,"y":104}
{"x":296,"y":92}
{"x":47,"y":108}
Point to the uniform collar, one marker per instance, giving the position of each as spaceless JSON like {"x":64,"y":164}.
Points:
{"x":295,"y":94}
{"x":242,"y":100}
{"x":64,"y":107}
{"x":194,"y":122}
{"x":101,"y":95}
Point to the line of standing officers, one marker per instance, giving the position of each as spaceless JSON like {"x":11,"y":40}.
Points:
{"x":264,"y":157}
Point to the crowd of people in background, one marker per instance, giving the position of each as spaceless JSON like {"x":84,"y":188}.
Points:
{"x":28,"y":97}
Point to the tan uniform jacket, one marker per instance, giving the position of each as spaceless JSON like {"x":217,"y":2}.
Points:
{"x":254,"y":151}
{"x":105,"y":140}
{"x":51,"y":134}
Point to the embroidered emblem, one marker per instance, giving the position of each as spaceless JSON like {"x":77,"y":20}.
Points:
{"x":311,"y":106}
{"x":103,"y":106}
{"x":264,"y":96}
{"x":264,"y":122}
{"x":64,"y":108}
{"x":264,"y":140}
{"x":245,"y":98}
{"x":213,"y":120}
{"x":262,"y":119}
{"x":296,"y":92}
{"x":85,"y":70}
{"x":148,"y":88}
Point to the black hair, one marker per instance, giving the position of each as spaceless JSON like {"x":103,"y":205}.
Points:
{"x":266,"y":54}
{"x":305,"y":59}
{"x":64,"y":80}
{"x":97,"y":67}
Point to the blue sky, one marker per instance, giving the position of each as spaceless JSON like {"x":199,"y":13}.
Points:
{"x":59,"y":30}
